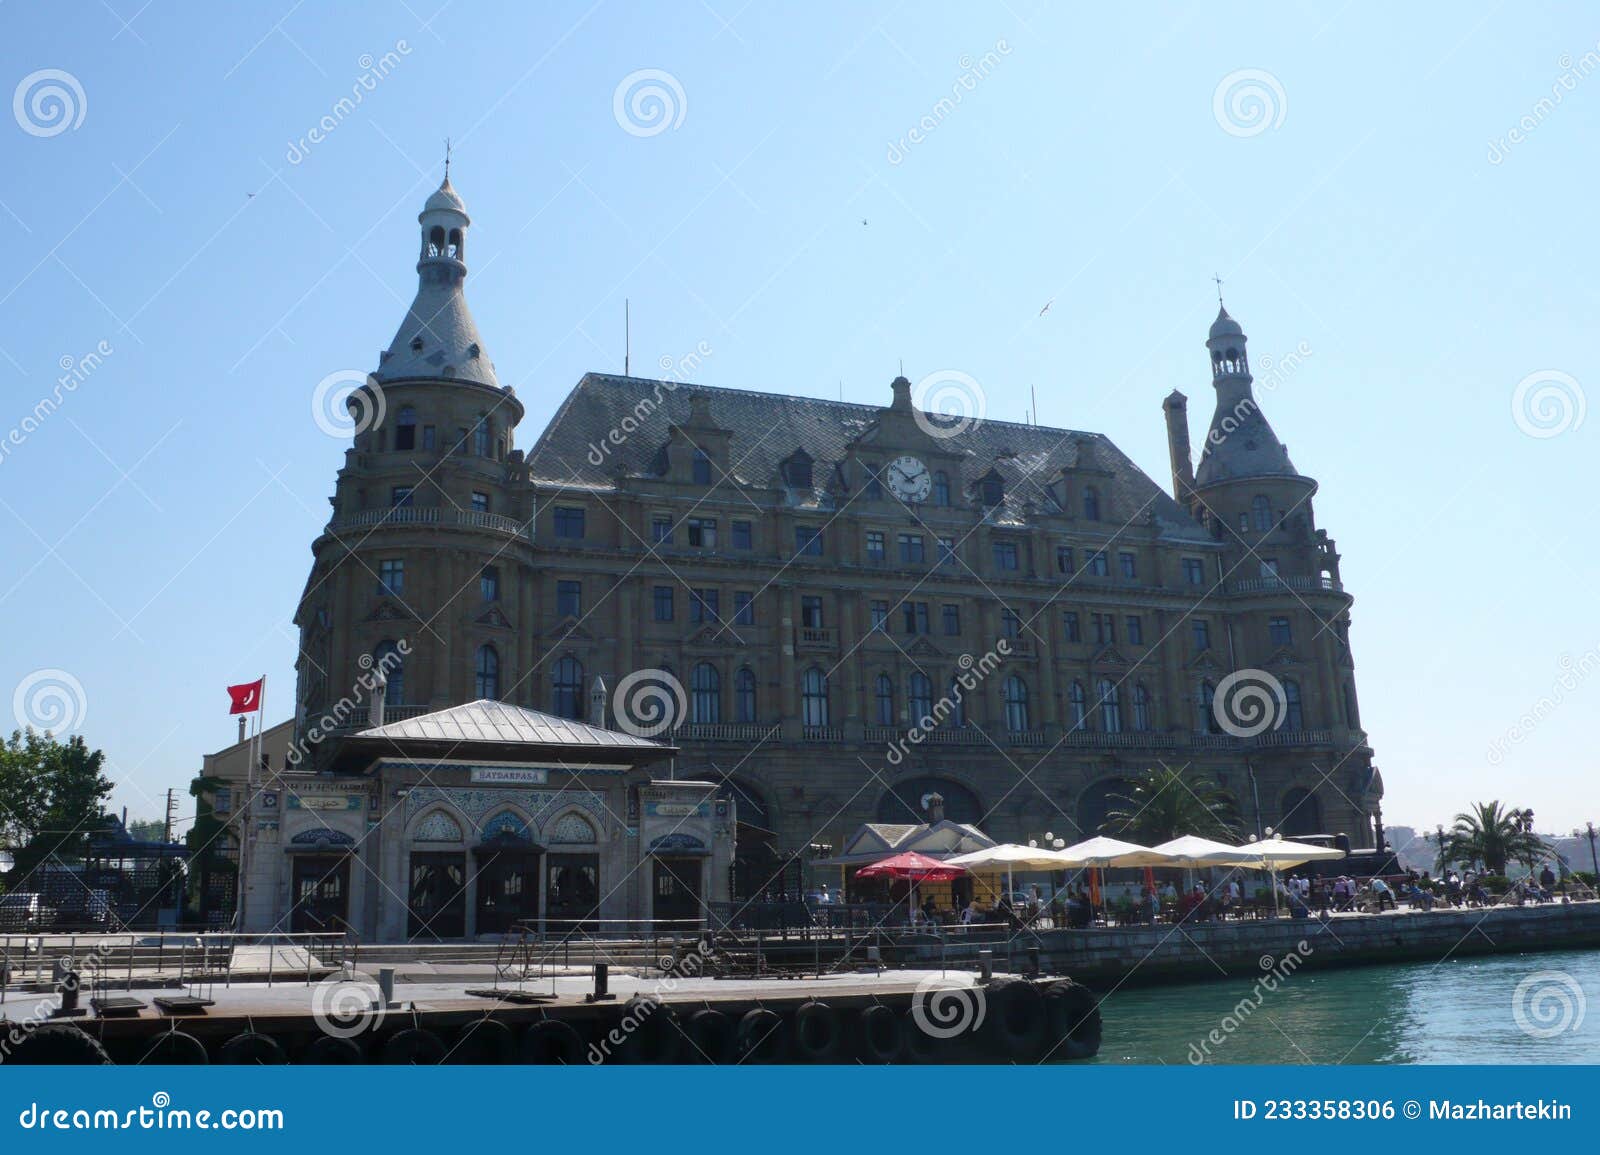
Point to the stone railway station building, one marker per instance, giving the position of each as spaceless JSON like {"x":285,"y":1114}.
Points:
{"x":811,"y":580}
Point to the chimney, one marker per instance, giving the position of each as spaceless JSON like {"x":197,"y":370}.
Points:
{"x":597,"y":701}
{"x":241,"y":727}
{"x":380,"y":692}
{"x":1176,"y":407}
{"x":935,"y":808}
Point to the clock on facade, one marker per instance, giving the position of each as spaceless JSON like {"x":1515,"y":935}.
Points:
{"x":909,"y":479}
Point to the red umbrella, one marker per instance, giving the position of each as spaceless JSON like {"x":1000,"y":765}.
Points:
{"x":913,"y":867}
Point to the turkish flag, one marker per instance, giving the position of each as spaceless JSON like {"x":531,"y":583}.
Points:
{"x":246,"y":698}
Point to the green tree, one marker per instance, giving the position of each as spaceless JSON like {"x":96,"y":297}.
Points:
{"x":1161,"y":805}
{"x":52,"y":797}
{"x":1492,"y":835}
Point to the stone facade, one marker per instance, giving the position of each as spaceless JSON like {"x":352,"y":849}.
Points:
{"x":809,"y":579}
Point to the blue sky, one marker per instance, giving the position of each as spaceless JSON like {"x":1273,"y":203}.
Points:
{"x":1380,"y":216}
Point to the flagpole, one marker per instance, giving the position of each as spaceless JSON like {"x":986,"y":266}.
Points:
{"x":247,"y":834}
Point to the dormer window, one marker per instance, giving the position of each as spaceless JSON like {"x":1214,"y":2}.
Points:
{"x":700,"y":468}
{"x":797,"y":472}
{"x":1091,"y":504}
{"x":873,"y":481}
{"x":416,"y":344}
{"x":473,"y":351}
{"x":991,"y":489}
{"x":941,"y":488}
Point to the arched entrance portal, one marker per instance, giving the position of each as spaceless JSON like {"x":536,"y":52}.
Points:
{"x":904,"y":801}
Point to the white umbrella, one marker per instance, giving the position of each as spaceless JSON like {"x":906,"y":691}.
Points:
{"x":1011,"y":856}
{"x":1192,"y":850}
{"x":1275,"y":854}
{"x":1103,"y":851}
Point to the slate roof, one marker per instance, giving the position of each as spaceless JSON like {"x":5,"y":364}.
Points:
{"x":451,"y":347}
{"x":503,"y":724}
{"x":767,"y":429}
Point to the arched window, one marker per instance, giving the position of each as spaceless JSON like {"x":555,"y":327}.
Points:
{"x":482,"y":434}
{"x":906,"y":802}
{"x":567,"y":682}
{"x":387,"y":659}
{"x":744,"y":695}
{"x":488,"y":673}
{"x":941,"y":488}
{"x":706,"y":691}
{"x":958,"y":703}
{"x":1261,"y":512}
{"x":700,"y":468}
{"x":919,"y":697}
{"x":1205,"y":716}
{"x":405,"y":430}
{"x":1110,"y":707}
{"x":884,"y":694}
{"x":1091,"y":504}
{"x":1016,"y":692}
{"x":435,"y":241}
{"x":456,"y":249}
{"x":1293,"y":715}
{"x":1079,"y":703}
{"x":814,"y":697}
{"x":1141,"y":708}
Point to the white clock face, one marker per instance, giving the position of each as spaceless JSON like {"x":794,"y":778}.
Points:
{"x":909,"y":479}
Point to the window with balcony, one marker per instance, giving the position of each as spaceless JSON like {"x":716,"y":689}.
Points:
{"x":958,"y":704}
{"x":811,"y":612}
{"x":486,"y":673}
{"x":480,"y":502}
{"x":1078,"y":706}
{"x":1016,"y":697}
{"x":875,"y":550}
{"x":1142,"y":720}
{"x":744,"y":695}
{"x":911,"y":551}
{"x":1269,"y":567}
{"x":400,"y":496}
{"x":919,"y":697}
{"x":1293,"y":715}
{"x":883,"y":697}
{"x":661,"y":600}
{"x":814,"y":697}
{"x":569,"y":599}
{"x":705,"y":694}
{"x":387,"y":659}
{"x":1110,"y":707}
{"x":569,"y":522}
{"x":1206,"y":720}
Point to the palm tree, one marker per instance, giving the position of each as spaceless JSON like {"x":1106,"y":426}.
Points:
{"x":1493,"y":835}
{"x":1161,"y":805}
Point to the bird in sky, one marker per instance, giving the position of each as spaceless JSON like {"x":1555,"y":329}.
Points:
{"x":1047,"y":305}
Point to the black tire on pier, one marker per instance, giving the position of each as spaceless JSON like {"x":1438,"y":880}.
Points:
{"x":1073,"y":1014}
{"x":1014,"y":1024}
{"x":878,"y":1035}
{"x":818,"y":1033}
{"x":917,"y":1045}
{"x":175,"y":1049}
{"x":710,"y":1037}
{"x":761,"y":1037}
{"x":251,"y":1049}
{"x":483,"y":1042}
{"x":59,"y":1045}
{"x":333,"y":1051}
{"x":654,"y":1037}
{"x":414,"y":1047}
{"x":551,"y":1042}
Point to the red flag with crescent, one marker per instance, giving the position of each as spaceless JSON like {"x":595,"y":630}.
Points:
{"x":246,"y":697}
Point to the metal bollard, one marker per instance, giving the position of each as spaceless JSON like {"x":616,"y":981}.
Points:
{"x":986,"y":964}
{"x":602,"y":985}
{"x":68,"y":987}
{"x":385,"y":988}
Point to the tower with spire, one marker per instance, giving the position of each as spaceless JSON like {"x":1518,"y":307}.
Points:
{"x":421,"y":569}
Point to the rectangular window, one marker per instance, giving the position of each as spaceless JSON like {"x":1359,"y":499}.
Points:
{"x":742,"y":538}
{"x":1194,"y":571}
{"x":1069,"y":622}
{"x":1201,"y":630}
{"x":916,"y":617}
{"x":874,"y":486}
{"x":700,"y":468}
{"x":808,"y":540}
{"x":405,"y":434}
{"x":661,"y":530}
{"x":1129,"y":565}
{"x":1063,"y":559}
{"x":1135,"y":626}
{"x":1098,"y":564}
{"x":1010,"y":624}
{"x":1105,"y":629}
{"x":880,"y":616}
{"x":392,"y":577}
{"x":1269,"y":567}
{"x":811,"y":613}
{"x":569,"y":599}
{"x":1005,"y":555}
{"x":569,"y":522}
{"x":947,"y":551}
{"x":489,"y":583}
{"x":951,"y":615}
{"x":703,"y":532}
{"x":911,"y":548}
{"x":662,"y":599}
{"x":400,"y":495}
{"x":1281,"y":632}
{"x":480,"y":502}
{"x":704,"y":605}
{"x":744,"y":608}
{"x":874,"y":546}
{"x":429,"y":437}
